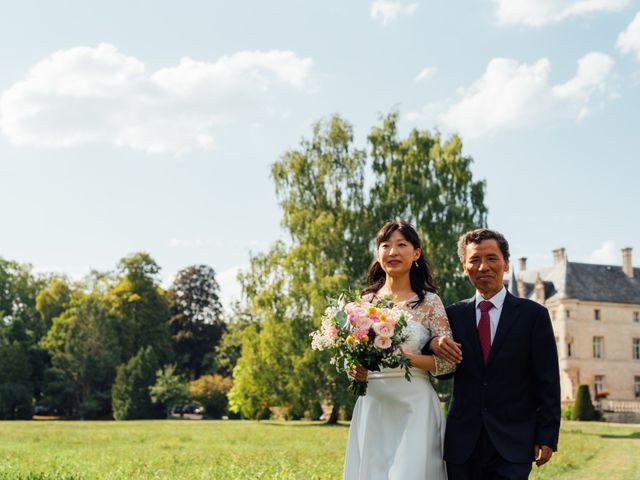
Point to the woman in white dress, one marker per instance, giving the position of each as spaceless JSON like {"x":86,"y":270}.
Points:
{"x":397,"y":428}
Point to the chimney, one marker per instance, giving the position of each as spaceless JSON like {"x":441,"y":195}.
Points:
{"x":539,"y":290}
{"x":523,"y":263}
{"x":627,"y":266}
{"x":558,"y":255}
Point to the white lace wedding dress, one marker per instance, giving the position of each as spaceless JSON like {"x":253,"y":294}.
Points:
{"x":397,"y":428}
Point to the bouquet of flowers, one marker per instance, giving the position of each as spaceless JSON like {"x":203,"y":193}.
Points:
{"x":364,"y":333}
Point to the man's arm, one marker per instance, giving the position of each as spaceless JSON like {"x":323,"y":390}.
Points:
{"x":546,"y":374}
{"x":445,"y":348}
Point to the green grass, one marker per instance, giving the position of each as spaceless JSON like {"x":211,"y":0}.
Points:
{"x":255,"y":450}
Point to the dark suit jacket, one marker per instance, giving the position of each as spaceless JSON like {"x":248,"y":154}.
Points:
{"x":517,"y":395}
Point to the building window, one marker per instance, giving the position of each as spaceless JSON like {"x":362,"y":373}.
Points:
{"x":636,"y":316}
{"x":567,"y":313}
{"x":598,"y":384}
{"x":636,"y":348}
{"x":597,"y":347}
{"x":636,"y":386}
{"x":568,"y":349}
{"x":596,"y":314}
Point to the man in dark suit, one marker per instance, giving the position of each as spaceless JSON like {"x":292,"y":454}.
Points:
{"x":505,"y":406}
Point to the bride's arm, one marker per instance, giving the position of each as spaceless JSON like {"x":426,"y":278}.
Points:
{"x":436,"y":321}
{"x":423,"y":362}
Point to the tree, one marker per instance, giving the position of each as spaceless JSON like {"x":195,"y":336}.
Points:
{"x":196,"y":323}
{"x":582,"y":407}
{"x":83,"y":343}
{"x":15,"y":387}
{"x":53,"y":300}
{"x":226,"y":354}
{"x":131,"y":396}
{"x":210,"y":391}
{"x":141,"y":307}
{"x":169,"y":389}
{"x":332,"y":215}
{"x":430,"y":184}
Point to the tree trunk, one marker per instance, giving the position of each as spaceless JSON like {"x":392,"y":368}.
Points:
{"x":333,"y":418}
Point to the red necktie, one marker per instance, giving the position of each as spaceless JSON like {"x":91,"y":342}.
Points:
{"x":484,"y":328}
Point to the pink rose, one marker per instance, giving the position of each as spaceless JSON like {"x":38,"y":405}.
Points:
{"x":383,"y":328}
{"x":360,"y":333}
{"x":382,"y":342}
{"x":363,"y":323}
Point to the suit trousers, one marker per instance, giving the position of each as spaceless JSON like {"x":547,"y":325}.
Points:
{"x":486,"y":463}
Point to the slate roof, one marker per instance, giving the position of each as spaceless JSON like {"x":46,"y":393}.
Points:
{"x":584,"y":281}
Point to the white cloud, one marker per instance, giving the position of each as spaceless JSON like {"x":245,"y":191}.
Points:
{"x":607,"y":254}
{"x":629,"y":40}
{"x":387,"y":11}
{"x":230,"y":288}
{"x":537,"y":13}
{"x":513,"y":95}
{"x":99,"y":94}
{"x":425,"y":74}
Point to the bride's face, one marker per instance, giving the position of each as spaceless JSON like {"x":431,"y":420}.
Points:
{"x":396,"y":255}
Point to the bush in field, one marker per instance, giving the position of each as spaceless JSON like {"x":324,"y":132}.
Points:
{"x":210,"y":391}
{"x":582,"y":407}
{"x":169,"y":389}
{"x":130,"y":392}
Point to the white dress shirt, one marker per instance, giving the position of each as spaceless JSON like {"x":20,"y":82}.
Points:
{"x":496,"y":310}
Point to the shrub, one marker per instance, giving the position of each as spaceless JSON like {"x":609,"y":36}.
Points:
{"x":130,"y":391}
{"x":169,"y":389}
{"x":582,"y":407}
{"x":264,"y":413}
{"x":210,"y":391}
{"x":567,"y":412}
{"x":15,"y":402}
{"x":314,"y":412}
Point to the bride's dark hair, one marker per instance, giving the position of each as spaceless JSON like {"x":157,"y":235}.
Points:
{"x":419,"y":276}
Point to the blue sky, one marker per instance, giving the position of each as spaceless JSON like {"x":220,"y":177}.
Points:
{"x":143,"y":125}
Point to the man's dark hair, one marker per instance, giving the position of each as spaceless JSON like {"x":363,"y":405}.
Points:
{"x":477,"y":236}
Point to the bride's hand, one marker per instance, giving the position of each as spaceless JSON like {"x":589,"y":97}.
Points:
{"x":358,"y":372}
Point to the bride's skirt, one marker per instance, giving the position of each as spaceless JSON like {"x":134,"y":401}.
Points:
{"x":397,"y":430}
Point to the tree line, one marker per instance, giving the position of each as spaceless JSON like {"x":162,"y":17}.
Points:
{"x":114,"y":344}
{"x":117,"y":345}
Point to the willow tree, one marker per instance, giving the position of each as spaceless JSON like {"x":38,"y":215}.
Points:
{"x":334,"y":198}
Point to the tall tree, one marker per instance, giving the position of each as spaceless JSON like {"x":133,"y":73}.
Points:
{"x":84,"y":345}
{"x":141,"y":307}
{"x":196,"y":322}
{"x":332,"y":215}
{"x":20,"y":321}
{"x":428,"y":182}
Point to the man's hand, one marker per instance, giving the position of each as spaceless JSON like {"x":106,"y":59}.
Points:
{"x":446,"y":349}
{"x":359,"y":373}
{"x":542,"y":454}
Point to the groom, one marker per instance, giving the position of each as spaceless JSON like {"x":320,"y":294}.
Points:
{"x":505,"y":407}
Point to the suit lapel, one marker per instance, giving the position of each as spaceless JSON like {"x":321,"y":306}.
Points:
{"x":471,"y":331}
{"x":508,"y":318}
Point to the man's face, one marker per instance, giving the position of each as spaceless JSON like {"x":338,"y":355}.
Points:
{"x":485,"y":266}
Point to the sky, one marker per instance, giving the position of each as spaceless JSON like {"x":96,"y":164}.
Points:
{"x":152,"y":125}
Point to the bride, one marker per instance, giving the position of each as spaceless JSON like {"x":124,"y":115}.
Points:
{"x":397,"y":428}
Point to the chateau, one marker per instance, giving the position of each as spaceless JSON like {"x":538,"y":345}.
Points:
{"x":595,"y":311}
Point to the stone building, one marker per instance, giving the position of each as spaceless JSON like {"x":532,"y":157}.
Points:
{"x":595,"y":311}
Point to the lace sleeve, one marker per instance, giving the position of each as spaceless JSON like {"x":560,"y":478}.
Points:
{"x":436,"y":322}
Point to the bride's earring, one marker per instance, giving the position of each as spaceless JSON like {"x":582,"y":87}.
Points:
{"x":416,"y":263}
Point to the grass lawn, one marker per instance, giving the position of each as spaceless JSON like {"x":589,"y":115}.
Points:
{"x":243,"y":449}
